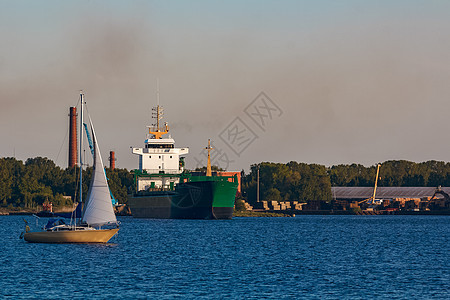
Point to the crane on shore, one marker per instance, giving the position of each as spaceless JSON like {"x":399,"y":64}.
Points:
{"x":438,"y":191}
{"x":371,"y":200}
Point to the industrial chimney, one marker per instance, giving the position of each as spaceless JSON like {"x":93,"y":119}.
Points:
{"x":112,"y":160}
{"x":73,"y":137}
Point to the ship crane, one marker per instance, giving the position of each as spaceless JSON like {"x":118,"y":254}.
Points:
{"x":208,"y":165}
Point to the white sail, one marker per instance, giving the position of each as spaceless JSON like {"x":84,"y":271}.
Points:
{"x":98,"y":209}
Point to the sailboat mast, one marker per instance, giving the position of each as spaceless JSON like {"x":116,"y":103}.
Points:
{"x":81,"y":148}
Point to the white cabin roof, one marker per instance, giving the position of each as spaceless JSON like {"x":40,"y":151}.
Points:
{"x":160,"y":141}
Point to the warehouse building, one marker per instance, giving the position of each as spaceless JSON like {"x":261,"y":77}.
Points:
{"x":388,"y":193}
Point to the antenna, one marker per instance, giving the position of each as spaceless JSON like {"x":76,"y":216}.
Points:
{"x":157,"y":113}
{"x":157,"y":90}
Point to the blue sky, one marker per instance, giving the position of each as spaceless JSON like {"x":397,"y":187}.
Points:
{"x":357,"y":81}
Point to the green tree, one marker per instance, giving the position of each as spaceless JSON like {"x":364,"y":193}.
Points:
{"x":272,"y":195}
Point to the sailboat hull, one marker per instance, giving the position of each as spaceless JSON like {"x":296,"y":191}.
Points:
{"x":71,"y":236}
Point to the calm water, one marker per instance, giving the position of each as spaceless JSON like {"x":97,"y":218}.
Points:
{"x":304,"y":257}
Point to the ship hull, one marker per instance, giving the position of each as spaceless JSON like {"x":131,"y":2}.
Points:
{"x":204,"y":198}
{"x":71,"y":236}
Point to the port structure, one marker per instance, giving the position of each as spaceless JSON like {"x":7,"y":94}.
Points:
{"x":371,"y":200}
{"x":438,"y":191}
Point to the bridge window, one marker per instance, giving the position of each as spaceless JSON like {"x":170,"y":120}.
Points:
{"x":160,"y":146}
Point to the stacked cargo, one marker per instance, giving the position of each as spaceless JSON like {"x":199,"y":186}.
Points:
{"x":248,"y":206}
{"x":282,"y":205}
{"x":297,"y":205}
{"x":412,"y":203}
{"x":274,"y":205}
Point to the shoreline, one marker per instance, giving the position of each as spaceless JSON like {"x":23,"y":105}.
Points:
{"x":30,"y":211}
{"x":250,"y":213}
{"x":293,"y":213}
{"x":253,"y":213}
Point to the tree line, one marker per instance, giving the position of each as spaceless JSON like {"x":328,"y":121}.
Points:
{"x":393,"y":173}
{"x":39,"y":179}
{"x":304,"y":182}
{"x":287,"y":182}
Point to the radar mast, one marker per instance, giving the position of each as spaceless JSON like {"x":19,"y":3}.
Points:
{"x":157,"y":113}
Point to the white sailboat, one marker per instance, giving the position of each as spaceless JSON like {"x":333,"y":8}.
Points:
{"x":98,"y":211}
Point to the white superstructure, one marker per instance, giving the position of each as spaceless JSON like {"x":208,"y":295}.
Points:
{"x":159,"y":159}
{"x":160,"y":156}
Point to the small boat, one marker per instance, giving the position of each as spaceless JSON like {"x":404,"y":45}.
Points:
{"x":47,"y":210}
{"x":98,"y":223}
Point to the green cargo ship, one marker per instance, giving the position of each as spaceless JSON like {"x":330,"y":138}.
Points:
{"x":196,"y":197}
{"x":165,"y":191}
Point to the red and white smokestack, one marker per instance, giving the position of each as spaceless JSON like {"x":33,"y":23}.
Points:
{"x":73,"y":137}
{"x":112,"y":160}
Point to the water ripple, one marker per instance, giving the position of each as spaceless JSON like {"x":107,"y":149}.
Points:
{"x":308,"y":257}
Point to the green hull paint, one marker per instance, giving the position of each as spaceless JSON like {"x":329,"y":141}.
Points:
{"x":201,"y":197}
{"x":224,"y":194}
{"x":223,"y":191}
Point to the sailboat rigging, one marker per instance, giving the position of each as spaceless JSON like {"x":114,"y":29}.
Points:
{"x":97,"y":223}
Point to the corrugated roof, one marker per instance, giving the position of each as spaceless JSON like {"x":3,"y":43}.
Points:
{"x":384,"y":192}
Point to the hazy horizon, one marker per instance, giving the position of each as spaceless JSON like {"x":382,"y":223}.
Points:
{"x":344,"y":82}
